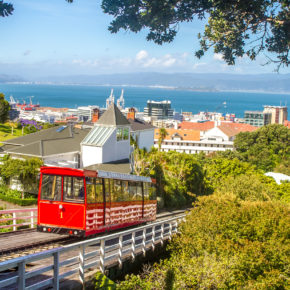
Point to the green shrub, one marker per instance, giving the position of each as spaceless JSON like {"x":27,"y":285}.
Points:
{"x":19,"y":201}
{"x":225,"y":243}
{"x":103,"y":282}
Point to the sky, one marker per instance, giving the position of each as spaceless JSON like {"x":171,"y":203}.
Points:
{"x":44,"y":38}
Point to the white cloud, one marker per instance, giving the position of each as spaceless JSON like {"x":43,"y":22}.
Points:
{"x":141,"y":55}
{"x":218,"y":56}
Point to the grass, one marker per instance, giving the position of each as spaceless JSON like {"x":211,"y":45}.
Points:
{"x":6,"y":132}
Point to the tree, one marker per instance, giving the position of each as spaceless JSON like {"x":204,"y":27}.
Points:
{"x":266,"y":147}
{"x":4,"y":108}
{"x":234,"y":28}
{"x":162,"y":135}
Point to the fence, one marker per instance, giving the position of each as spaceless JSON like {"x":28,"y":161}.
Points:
{"x":20,"y":217}
{"x":79,"y":258}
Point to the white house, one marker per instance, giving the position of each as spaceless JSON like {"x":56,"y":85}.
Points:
{"x":108,"y":141}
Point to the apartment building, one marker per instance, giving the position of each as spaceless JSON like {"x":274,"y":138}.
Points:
{"x":219,"y":138}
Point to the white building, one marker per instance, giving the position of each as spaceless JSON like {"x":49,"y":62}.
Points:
{"x":219,"y":138}
{"x":108,"y":141}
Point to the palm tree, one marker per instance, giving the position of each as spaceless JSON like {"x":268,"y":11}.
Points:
{"x":162,"y":134}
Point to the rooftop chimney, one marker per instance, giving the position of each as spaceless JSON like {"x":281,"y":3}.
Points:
{"x":96,"y":115}
{"x":131,"y":114}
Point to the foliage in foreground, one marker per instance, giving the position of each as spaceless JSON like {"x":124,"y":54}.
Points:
{"x":225,"y":243}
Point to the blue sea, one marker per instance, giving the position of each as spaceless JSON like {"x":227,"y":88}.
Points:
{"x":72,"y":96}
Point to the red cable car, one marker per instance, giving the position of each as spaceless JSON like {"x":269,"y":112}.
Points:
{"x":85,"y":202}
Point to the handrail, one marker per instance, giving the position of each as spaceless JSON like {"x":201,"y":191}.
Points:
{"x":17,"y":220}
{"x":99,"y":252}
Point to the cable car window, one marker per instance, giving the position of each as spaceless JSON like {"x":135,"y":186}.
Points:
{"x":51,"y":187}
{"x":117,"y":193}
{"x":132,"y":190}
{"x":73,"y":189}
{"x":99,"y":190}
{"x":125,"y":185}
{"x":139,"y":191}
{"x":152,"y":192}
{"x":91,"y":189}
{"x":146,"y":190}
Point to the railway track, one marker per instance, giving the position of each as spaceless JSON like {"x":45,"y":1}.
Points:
{"x":25,"y":242}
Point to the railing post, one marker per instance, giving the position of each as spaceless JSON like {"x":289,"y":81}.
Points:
{"x":170,"y":230}
{"x":31,"y":220}
{"x":120,"y":251}
{"x":14,"y":221}
{"x":102,"y":256}
{"x":161,"y":235}
{"x":21,"y":276}
{"x":144,"y":242}
{"x":56,"y":271}
{"x":133,"y":246}
{"x":153,"y":238}
{"x":82,"y":265}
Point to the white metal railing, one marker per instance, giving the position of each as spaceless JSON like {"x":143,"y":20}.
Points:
{"x":54,"y":265}
{"x":14,"y":218}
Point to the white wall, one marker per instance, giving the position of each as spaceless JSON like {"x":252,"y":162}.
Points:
{"x":114,"y":150}
{"x":216,"y":132}
{"x":91,"y":155}
{"x":145,"y":138}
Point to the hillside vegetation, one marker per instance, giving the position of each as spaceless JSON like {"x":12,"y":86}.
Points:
{"x":237,"y":233}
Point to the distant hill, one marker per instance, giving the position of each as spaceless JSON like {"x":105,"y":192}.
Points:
{"x":262,"y":82}
{"x":10,"y":78}
{"x":277,"y":83}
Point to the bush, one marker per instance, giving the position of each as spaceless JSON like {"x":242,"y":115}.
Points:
{"x":226,"y":243}
{"x":15,"y":196}
{"x":103,"y":282}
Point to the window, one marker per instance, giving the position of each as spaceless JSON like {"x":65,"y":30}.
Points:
{"x":91,"y":189}
{"x":73,"y":189}
{"x":51,"y":187}
{"x":119,"y":134}
{"x":125,"y":134}
{"x":146,"y":190}
{"x":152,"y":191}
{"x":116,"y":191}
{"x":122,"y":134}
{"x":139,"y":191}
{"x":132,"y":190}
{"x":94,"y":187}
{"x":125,"y":185}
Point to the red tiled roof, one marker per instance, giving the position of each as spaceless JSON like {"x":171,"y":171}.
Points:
{"x":232,"y":129}
{"x":188,"y":135}
{"x":287,"y":124}
{"x":196,"y":126}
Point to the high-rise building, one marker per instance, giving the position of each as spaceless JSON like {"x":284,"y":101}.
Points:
{"x":257,"y":118}
{"x":158,"y":110}
{"x":278,"y":113}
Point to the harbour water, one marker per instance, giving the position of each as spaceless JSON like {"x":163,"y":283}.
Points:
{"x":72,"y":96}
